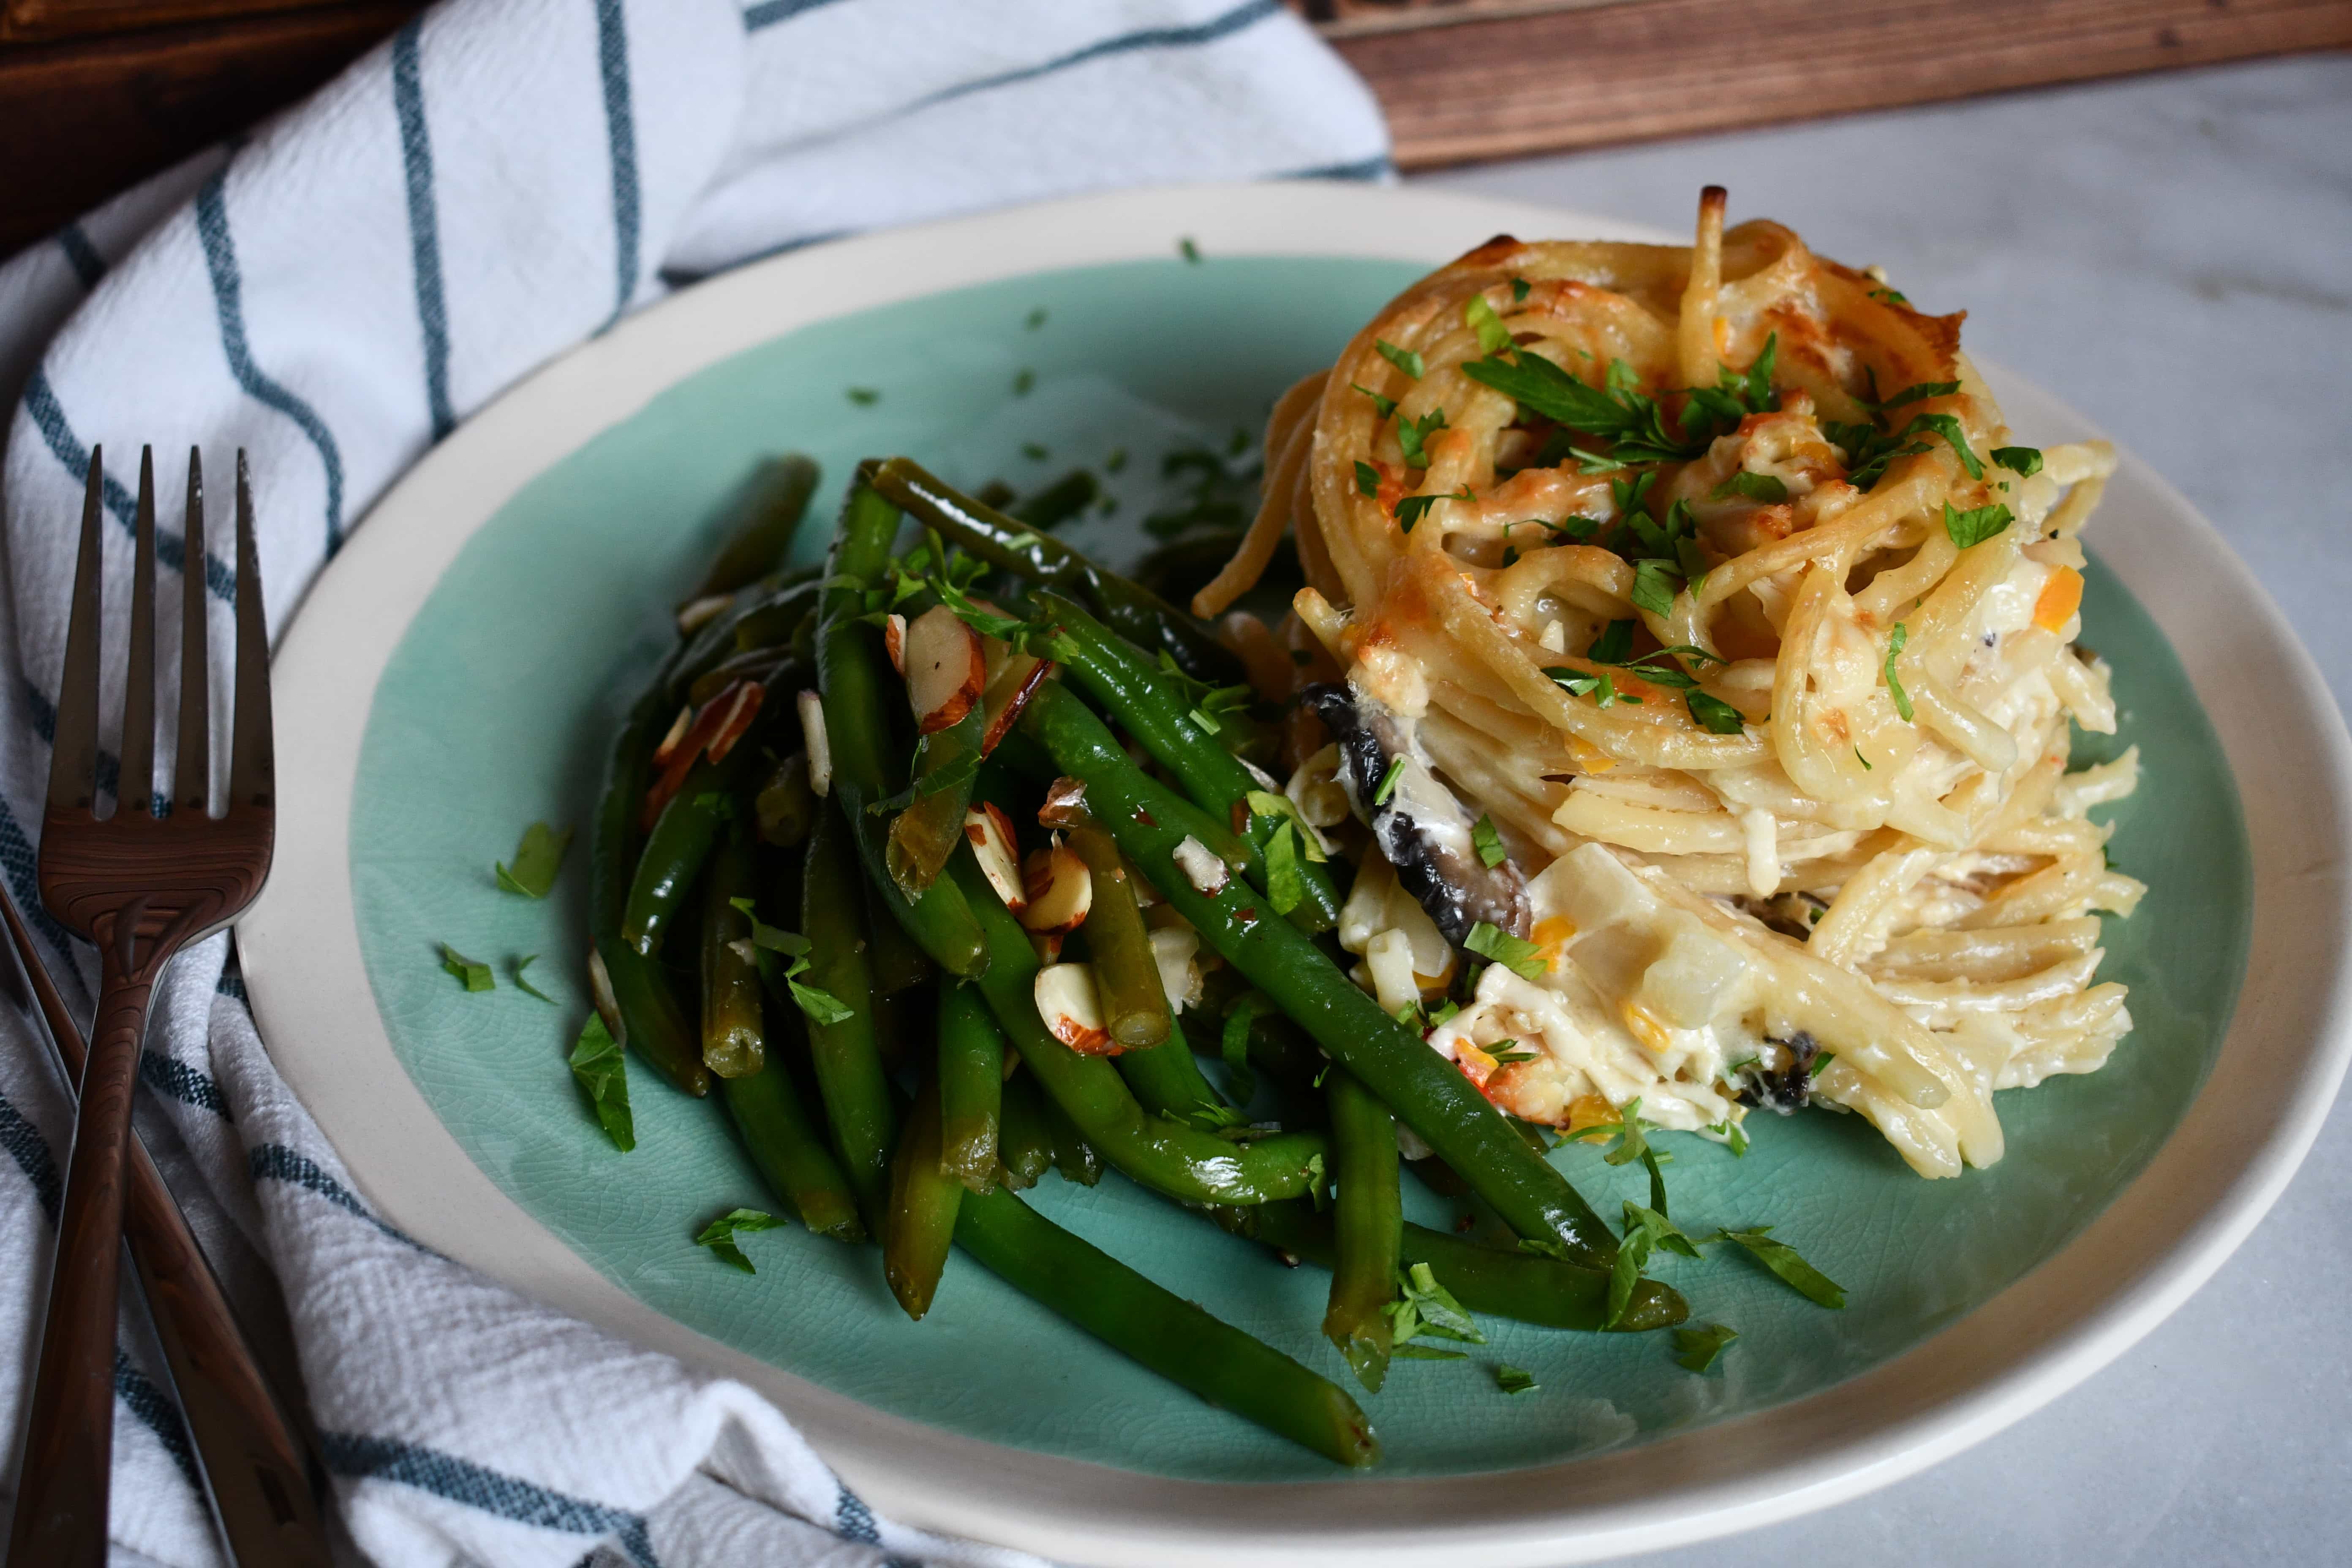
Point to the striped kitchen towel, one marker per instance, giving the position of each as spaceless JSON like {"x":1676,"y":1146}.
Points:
{"x":499,"y":182}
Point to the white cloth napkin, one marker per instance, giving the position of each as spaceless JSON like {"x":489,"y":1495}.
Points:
{"x":501,"y":180}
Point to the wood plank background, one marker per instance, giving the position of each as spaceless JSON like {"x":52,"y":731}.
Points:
{"x":96,"y":94}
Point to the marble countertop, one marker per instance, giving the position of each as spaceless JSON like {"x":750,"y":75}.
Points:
{"x":2173,"y":256}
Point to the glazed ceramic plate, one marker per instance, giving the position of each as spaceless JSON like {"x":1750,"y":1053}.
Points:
{"x":455,"y":674}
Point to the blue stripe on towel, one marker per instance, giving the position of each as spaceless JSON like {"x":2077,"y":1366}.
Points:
{"x":360,"y":1456}
{"x":21,"y":863}
{"x":1378,"y":167}
{"x":620,"y":131}
{"x":424,"y":221}
{"x":154,"y":1407}
{"x":228,"y":301}
{"x":48,"y":416}
{"x":178,"y":1080}
{"x":1239,"y":19}
{"x":25,"y":1144}
{"x":88,"y":264}
{"x":853,"y":1521}
{"x":772,"y":12}
{"x":278,"y":1162}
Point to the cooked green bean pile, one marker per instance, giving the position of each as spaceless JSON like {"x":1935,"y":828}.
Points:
{"x":920,"y":855}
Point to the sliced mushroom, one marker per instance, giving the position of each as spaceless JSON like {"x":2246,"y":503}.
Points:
{"x":989,"y":832}
{"x":1422,"y":829}
{"x":1072,"y":1009}
{"x":1061,"y":889}
{"x":946,"y":669}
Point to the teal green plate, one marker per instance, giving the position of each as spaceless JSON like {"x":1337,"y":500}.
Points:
{"x":495,"y":708}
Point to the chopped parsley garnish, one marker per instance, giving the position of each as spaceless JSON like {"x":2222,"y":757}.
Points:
{"x":1783,"y":1261}
{"x":1115,"y":460}
{"x":1949,"y":427}
{"x":1820,"y":1061}
{"x":1630,"y":419}
{"x":1976,"y":525}
{"x":1036,"y":319}
{"x":1735,"y":1137}
{"x":1614,"y":644}
{"x":1022,"y":382}
{"x":1713,"y":714}
{"x":864,"y":397}
{"x":1413,"y":509}
{"x":1488,"y":843}
{"x":720,"y":1234}
{"x":1508,"y":1052}
{"x":1368,"y":480}
{"x":770,"y":946}
{"x":1764,"y":488}
{"x":523,"y":985}
{"x":1695,"y":1348}
{"x":1405,"y":360}
{"x":477,"y":976}
{"x":1511,"y":1380}
{"x":1890,"y":296}
{"x":1601,"y":687}
{"x":1412,"y":433}
{"x":1919,"y":392}
{"x":2024,"y":461}
{"x":1518,"y":290}
{"x":1285,"y":883}
{"x":1576,"y":526}
{"x":1389,"y":781}
{"x":1520,"y":956}
{"x":1423,"y":1307}
{"x":1862,"y":760}
{"x":537,"y":858}
{"x":1383,"y":406}
{"x":604,"y":1077}
{"x":1894,"y":641}
{"x":1032,"y":451}
{"x":1190,"y":251}
{"x":1480,"y":318}
{"x":1654,"y":585}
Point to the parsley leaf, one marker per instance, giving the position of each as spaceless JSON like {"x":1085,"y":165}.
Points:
{"x":1783,"y":1259}
{"x":1413,"y":509}
{"x":1894,"y":641}
{"x":2022,"y":460}
{"x":1480,"y":318}
{"x":1036,"y":319}
{"x":1600,"y":687}
{"x":1713,"y":714}
{"x":1190,"y":251}
{"x":1949,"y":427}
{"x":1412,"y":433}
{"x":1285,"y":883}
{"x":1511,"y":1380}
{"x":1405,"y":360}
{"x":720,"y":1234}
{"x":1368,"y":480}
{"x":1518,"y":290}
{"x":1520,"y":956}
{"x":1022,"y":385}
{"x":1425,"y":1307}
{"x":1919,"y":392}
{"x":1488,"y":843}
{"x":1975,"y":526}
{"x":1695,"y":1348}
{"x":1383,"y":406}
{"x":477,"y":976}
{"x":1765,"y":488}
{"x":537,"y":858}
{"x":523,"y":985}
{"x":1389,"y":781}
{"x":1614,"y":644}
{"x":1654,"y":583}
{"x":1735,"y":1137}
{"x":1890,"y":296}
{"x":864,"y":397}
{"x":1862,"y":760}
{"x":603,"y":1073}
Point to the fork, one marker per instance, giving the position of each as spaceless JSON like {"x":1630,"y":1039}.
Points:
{"x":140,"y":884}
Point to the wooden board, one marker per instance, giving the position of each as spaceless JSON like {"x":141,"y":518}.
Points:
{"x":1583,"y":75}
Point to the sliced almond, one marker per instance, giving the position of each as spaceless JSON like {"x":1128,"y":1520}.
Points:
{"x":819,"y":747}
{"x":1072,"y":1009}
{"x":744,"y":706}
{"x":676,"y":736}
{"x":1173,"y":949}
{"x":989,"y":832}
{"x":944,"y":668}
{"x":1046,"y":945}
{"x":1200,"y":866}
{"x":1065,"y":804}
{"x":709,"y":724}
{"x":1061,"y":889}
{"x":1008,"y":693}
{"x":695,"y":613}
{"x":894,"y":642}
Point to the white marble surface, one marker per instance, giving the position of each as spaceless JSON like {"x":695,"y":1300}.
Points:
{"x":2173,"y":256}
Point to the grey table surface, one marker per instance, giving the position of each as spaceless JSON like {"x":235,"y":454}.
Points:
{"x":2173,"y":256}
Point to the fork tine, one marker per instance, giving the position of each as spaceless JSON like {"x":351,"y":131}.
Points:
{"x":192,"y":771}
{"x":73,"y":752}
{"x":251,"y":781}
{"x":135,"y":787}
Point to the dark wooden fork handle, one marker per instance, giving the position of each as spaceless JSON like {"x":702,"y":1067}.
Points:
{"x":61,"y":1489}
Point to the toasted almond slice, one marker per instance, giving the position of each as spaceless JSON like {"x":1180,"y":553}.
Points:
{"x":1066,"y":803}
{"x":819,"y":746}
{"x":706,"y":727}
{"x":894,"y":642}
{"x":676,"y":736}
{"x":744,"y":707}
{"x":1200,"y":866}
{"x":1061,"y":889}
{"x":944,"y":668}
{"x":1009,"y":694}
{"x":1046,"y":945}
{"x":991,"y":833}
{"x":695,"y":613}
{"x":1072,"y":1009}
{"x":1172,"y":950}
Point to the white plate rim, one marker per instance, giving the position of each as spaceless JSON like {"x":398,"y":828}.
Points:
{"x":2169,"y":1232}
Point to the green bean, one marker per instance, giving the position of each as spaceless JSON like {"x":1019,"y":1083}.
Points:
{"x":631,"y":990}
{"x":926,"y":833}
{"x":899,"y":966}
{"x":788,"y":1146}
{"x":1140,"y":613}
{"x":1516,"y":1285}
{"x":1126,"y":975}
{"x":1163,"y":1332}
{"x":857,"y":728}
{"x":848,"y":1060}
{"x":762,"y":515}
{"x":972,"y":1086}
{"x":734,"y":1035}
{"x":1182,"y":1162}
{"x":1159,"y":715}
{"x":1167,"y":1081}
{"x":785,"y":804}
{"x":681,"y":842}
{"x":1432,"y":1098}
{"x":1024,"y":1139}
{"x":924,"y":1201}
{"x":1368,"y":1226}
{"x":1057,"y":502}
{"x":715,"y":640}
{"x":1073,"y":1157}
